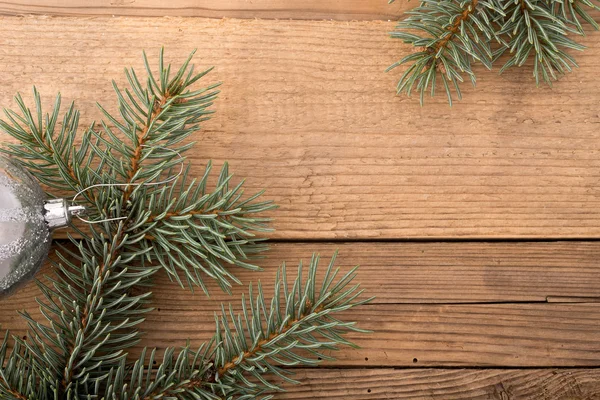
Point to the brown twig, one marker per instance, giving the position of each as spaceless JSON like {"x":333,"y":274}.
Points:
{"x":456,"y":25}
{"x":204,"y":380}
{"x":16,"y":394}
{"x":453,"y":29}
{"x":522,"y":4}
{"x":233,"y":363}
{"x":137,"y":154}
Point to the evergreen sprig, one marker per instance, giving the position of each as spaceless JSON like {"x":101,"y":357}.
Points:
{"x":153,"y":217}
{"x":294,"y":328}
{"x":199,"y":232}
{"x":449,"y":36}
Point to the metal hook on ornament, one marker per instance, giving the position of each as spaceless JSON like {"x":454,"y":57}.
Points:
{"x":79,"y":210}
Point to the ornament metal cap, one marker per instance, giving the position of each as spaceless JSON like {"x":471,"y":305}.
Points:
{"x":58,"y":212}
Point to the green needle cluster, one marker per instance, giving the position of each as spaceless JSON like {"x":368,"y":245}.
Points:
{"x":450,"y":36}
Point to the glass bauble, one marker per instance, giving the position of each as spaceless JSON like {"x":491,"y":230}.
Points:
{"x":26,"y":219}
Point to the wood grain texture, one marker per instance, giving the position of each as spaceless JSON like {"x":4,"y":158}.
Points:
{"x":307,"y":112}
{"x":484,"y":335}
{"x":305,"y":9}
{"x":437,"y":272}
{"x":419,"y":384}
{"x":419,"y":273}
{"x":505,"y":334}
{"x":411,"y":335}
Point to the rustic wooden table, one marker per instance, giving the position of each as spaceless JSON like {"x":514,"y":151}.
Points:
{"x":476,"y":226}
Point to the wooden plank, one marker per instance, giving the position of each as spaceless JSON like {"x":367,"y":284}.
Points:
{"x":435,"y":272}
{"x":306,"y":9}
{"x":505,"y":334}
{"x":472,"y":384}
{"x":418,"y":273}
{"x":411,"y":335}
{"x":308,"y":113}
{"x":485,"y":335}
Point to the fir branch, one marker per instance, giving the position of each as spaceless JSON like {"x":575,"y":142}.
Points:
{"x":108,"y":295}
{"x":457,"y":33}
{"x":90,"y":314}
{"x":200,"y":233}
{"x":111,"y":259}
{"x":90,"y":336}
{"x":468,"y":9}
{"x":20,"y":375}
{"x":533,"y":28}
{"x":90,"y":310}
{"x":294,"y":328}
{"x":50,"y":156}
{"x":576,"y":12}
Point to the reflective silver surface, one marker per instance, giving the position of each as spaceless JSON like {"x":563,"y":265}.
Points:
{"x":24,"y":234}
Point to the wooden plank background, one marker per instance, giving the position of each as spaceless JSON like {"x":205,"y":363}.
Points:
{"x":461,"y":218}
{"x":308,"y":113}
{"x":283,"y":9}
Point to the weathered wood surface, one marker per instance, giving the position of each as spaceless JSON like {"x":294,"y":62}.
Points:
{"x":454,"y":335}
{"x":484,"y":335}
{"x":418,"y":384}
{"x":414,"y":273}
{"x":530,"y":334}
{"x":437,"y":272}
{"x":305,"y":9}
{"x":307,"y":112}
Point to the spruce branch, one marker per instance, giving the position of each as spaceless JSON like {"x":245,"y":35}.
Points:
{"x":113,"y":247}
{"x":295,"y":327}
{"x":533,"y":28}
{"x":14,"y":384}
{"x":200,"y":233}
{"x":450,"y":36}
{"x":99,"y":291}
{"x":48,"y":154}
{"x":574,"y":11}
{"x":455,"y":35}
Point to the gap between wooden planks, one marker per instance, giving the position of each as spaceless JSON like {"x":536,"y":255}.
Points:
{"x":307,"y":113}
{"x":533,"y":334}
{"x":306,"y":9}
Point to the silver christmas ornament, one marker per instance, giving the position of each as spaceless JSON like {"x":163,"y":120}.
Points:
{"x":26,"y":220}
